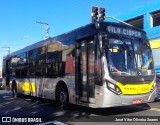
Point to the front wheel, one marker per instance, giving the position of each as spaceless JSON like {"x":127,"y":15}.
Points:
{"x":62,"y":97}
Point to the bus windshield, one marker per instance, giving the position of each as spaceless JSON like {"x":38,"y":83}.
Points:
{"x":129,"y":56}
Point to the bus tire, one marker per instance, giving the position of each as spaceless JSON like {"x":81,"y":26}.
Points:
{"x":62,"y":97}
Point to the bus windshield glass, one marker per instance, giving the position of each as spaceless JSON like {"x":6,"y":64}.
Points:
{"x":129,"y":56}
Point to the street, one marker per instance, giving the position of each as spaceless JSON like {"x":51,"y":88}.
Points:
{"x":29,"y":107}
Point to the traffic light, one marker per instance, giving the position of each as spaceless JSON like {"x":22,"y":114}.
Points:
{"x":102,"y":14}
{"x":94,"y":17}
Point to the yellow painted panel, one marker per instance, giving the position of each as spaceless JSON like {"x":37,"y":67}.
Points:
{"x":135,"y":88}
{"x":26,"y":86}
{"x":155,"y":43}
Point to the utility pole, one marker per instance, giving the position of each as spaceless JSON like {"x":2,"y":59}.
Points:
{"x":46,"y":28}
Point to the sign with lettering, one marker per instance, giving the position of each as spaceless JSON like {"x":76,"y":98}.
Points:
{"x":125,"y":31}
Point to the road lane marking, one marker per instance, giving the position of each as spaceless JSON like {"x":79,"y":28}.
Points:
{"x":155,"y":109}
{"x":52,"y":123}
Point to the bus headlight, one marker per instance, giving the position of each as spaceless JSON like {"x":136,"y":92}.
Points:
{"x":110,"y":85}
{"x":115,"y":89}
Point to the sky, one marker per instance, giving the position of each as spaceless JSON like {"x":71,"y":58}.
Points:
{"x":18,"y":27}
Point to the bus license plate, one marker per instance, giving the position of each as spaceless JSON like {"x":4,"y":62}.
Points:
{"x":137,"y":101}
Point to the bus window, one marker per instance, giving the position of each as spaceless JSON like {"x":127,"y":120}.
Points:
{"x":54,"y":59}
{"x":21,"y":59}
{"x":40,"y":62}
{"x":98,"y":72}
{"x":32,"y":56}
{"x":132,"y":58}
{"x":91,"y":70}
{"x":69,"y":55}
{"x":18,"y":67}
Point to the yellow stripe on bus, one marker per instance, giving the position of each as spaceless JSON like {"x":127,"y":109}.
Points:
{"x":26,"y":86}
{"x":129,"y":89}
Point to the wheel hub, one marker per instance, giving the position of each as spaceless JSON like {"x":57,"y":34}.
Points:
{"x":62,"y":97}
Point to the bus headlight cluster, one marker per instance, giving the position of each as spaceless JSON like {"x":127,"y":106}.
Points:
{"x":153,"y":86}
{"x":114,"y":88}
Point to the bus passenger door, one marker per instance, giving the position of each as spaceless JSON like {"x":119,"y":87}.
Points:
{"x":7,"y":72}
{"x":85,"y":71}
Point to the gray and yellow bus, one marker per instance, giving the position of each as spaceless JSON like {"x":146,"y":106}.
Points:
{"x":95,"y":67}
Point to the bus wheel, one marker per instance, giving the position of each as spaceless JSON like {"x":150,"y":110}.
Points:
{"x":62,"y":97}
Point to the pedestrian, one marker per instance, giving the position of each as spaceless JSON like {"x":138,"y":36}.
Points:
{"x":14,"y":88}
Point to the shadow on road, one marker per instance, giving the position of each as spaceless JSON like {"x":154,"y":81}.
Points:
{"x":35,"y":107}
{"x":112,"y":110}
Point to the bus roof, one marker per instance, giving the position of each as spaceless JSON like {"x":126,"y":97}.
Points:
{"x":79,"y":33}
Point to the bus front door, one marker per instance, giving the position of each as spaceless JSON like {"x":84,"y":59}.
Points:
{"x":85,"y":70}
{"x":7,"y":73}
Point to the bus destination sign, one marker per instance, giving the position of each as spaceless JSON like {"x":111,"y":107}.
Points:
{"x":124,"y":31}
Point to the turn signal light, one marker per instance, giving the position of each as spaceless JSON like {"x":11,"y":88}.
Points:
{"x":157,"y":86}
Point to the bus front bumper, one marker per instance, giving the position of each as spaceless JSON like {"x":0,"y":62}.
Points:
{"x":136,"y":99}
{"x":123,"y":100}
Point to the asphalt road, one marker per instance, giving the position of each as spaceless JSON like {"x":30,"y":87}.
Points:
{"x":26,"y":107}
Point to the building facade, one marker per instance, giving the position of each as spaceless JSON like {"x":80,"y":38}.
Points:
{"x":147,"y":18}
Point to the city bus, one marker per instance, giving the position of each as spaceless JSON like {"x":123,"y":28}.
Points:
{"x":108,"y":66}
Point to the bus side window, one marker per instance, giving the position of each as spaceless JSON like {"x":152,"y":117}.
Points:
{"x":32,"y":56}
{"x":19,"y":66}
{"x":69,"y":59}
{"x":54,"y":59}
{"x":40,"y":62}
